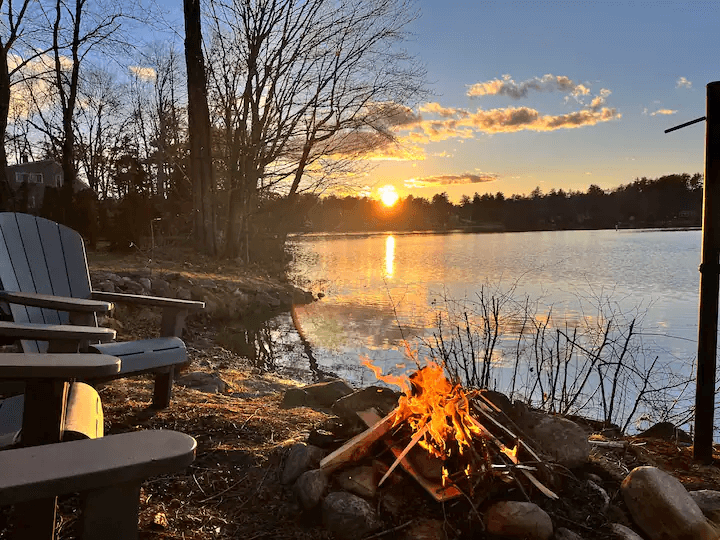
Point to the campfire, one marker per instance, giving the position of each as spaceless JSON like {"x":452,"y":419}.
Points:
{"x":459,"y":436}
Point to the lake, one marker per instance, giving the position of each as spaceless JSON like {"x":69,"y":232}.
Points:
{"x":382,"y":290}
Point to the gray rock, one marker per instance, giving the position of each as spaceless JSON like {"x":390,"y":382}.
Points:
{"x":667,"y":432}
{"x":322,"y":438}
{"x":316,"y":395}
{"x":106,"y":286}
{"x":709,"y":503}
{"x":602,"y":494}
{"x":184,"y":294}
{"x":662,"y":508}
{"x":146,"y":283}
{"x":624,"y":533}
{"x":210,"y":383}
{"x":566,"y":534}
{"x":361,"y":481}
{"x":348,"y":516}
{"x":426,"y":529}
{"x":310,"y":488}
{"x":382,"y":399}
{"x":160,"y":287}
{"x":518,"y":519}
{"x":301,"y":457}
{"x":560,"y":439}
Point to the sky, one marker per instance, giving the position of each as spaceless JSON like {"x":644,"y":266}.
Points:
{"x":555,"y":95}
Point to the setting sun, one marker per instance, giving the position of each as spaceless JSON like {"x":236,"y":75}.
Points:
{"x":388,"y":195}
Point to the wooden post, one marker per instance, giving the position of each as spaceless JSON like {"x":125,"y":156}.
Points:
{"x":709,"y":273}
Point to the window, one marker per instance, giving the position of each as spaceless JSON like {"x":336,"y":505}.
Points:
{"x":29,"y":178}
{"x":21,"y":177}
{"x":58,"y":180}
{"x":36,"y":178}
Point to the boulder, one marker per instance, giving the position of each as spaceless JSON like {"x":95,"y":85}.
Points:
{"x":322,"y":394}
{"x":566,"y":534}
{"x":518,"y":520}
{"x":426,"y":529}
{"x":560,"y":439}
{"x":667,"y":432}
{"x":348,"y":516}
{"x":662,"y":508}
{"x":301,"y":457}
{"x":310,"y":488}
{"x":384,"y":400}
{"x":709,"y":503}
{"x":621,"y":532}
{"x":361,"y":481}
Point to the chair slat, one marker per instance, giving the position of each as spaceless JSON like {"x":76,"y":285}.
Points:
{"x":35,"y":253}
{"x":8,"y":279}
{"x":76,"y":262}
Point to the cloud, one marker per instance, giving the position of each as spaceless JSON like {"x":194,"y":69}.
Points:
{"x":508,"y":87}
{"x":663,"y":112}
{"x":682,"y":82}
{"x":144,"y":73}
{"x":450,"y":180}
{"x":506,"y":120}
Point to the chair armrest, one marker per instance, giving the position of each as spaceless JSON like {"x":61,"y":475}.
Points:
{"x":83,"y":466}
{"x":60,"y":303}
{"x":55,"y":332}
{"x":156,"y":301}
{"x":57,"y":366}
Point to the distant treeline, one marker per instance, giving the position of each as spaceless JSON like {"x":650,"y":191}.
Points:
{"x":669,"y":201}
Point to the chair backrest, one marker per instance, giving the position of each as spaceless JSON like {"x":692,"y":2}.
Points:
{"x":41,"y":256}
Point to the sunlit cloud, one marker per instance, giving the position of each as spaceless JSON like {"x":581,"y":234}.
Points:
{"x":143,"y":73}
{"x":682,"y":82}
{"x":663,"y":112}
{"x":506,"y":86}
{"x":449,"y":180}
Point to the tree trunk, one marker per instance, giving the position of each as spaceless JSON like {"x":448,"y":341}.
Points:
{"x":201,"y":170}
{"x":5,"y":190}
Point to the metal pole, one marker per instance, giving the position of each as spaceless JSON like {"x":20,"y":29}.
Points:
{"x":709,"y":274}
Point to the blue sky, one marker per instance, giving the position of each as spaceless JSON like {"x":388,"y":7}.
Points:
{"x":509,"y":78}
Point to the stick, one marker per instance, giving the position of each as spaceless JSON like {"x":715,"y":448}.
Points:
{"x":416,"y":438}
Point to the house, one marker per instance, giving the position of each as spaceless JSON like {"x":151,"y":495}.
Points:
{"x":29,"y":179}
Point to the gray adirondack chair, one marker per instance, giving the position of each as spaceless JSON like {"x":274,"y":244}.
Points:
{"x":45,"y":281}
{"x":107,"y":472}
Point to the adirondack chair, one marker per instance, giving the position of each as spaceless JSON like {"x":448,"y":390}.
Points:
{"x":45,"y":280}
{"x":107,"y":473}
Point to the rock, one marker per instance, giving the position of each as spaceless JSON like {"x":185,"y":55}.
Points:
{"x":160,"y":287}
{"x":361,"y":481}
{"x":623,"y":533}
{"x":184,"y":294}
{"x":560,"y":439}
{"x":316,"y":395}
{"x":310,"y":487}
{"x":106,"y":286}
{"x":667,"y":432}
{"x":301,"y":457}
{"x":662,"y":508}
{"x":426,"y":529}
{"x":145,"y":282}
{"x":518,"y":519}
{"x":348,"y":516}
{"x":426,"y":464}
{"x":210,"y":383}
{"x":602,"y":494}
{"x":382,"y":399}
{"x":566,"y":534}
{"x":709,"y":503}
{"x":321,"y":438}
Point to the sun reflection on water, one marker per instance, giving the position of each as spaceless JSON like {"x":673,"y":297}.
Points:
{"x":389,"y":256}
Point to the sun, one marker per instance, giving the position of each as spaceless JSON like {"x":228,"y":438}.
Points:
{"x":388,"y":195}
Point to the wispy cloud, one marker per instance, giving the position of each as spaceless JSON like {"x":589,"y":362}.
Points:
{"x":663,"y":112}
{"x":682,"y":82}
{"x":506,"y":86}
{"x":450,"y":180}
{"x":144,"y":73}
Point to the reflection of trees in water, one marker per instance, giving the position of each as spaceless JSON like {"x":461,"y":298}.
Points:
{"x":264,"y":344}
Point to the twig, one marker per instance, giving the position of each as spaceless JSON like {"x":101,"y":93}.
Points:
{"x":389,"y":531}
{"x":223,"y":491}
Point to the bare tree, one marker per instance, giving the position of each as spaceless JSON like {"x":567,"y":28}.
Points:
{"x":295,"y":85}
{"x":201,"y":170}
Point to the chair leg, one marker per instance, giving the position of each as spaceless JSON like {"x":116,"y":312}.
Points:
{"x":163,"y":389}
{"x":111,"y":513}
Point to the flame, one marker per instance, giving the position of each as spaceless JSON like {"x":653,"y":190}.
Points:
{"x":431,"y":401}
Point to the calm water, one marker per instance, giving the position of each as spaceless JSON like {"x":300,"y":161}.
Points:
{"x":383,"y":288}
